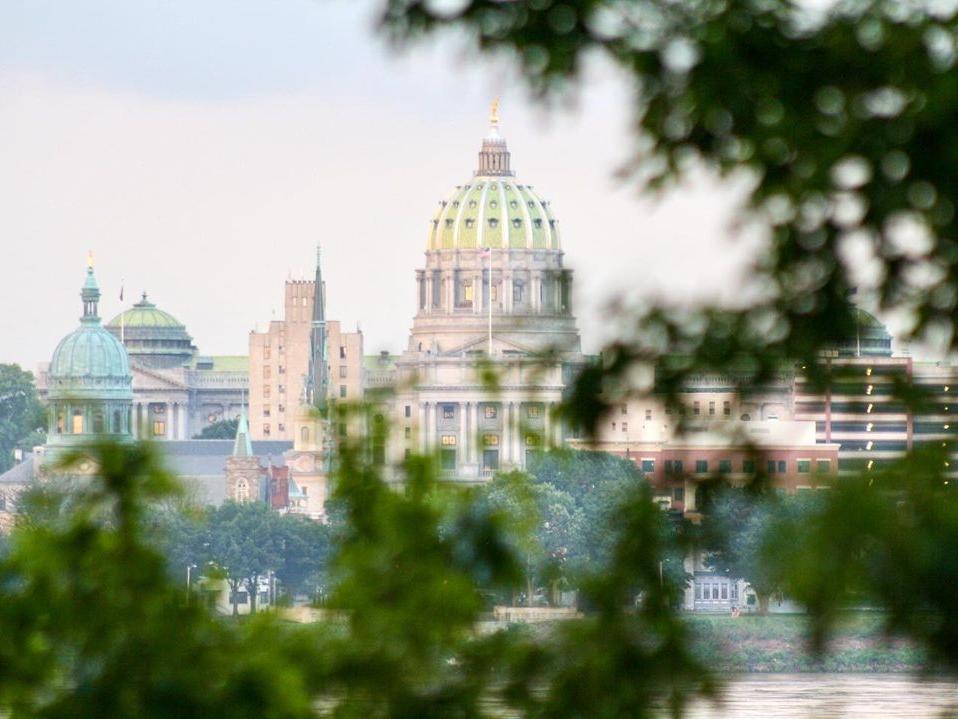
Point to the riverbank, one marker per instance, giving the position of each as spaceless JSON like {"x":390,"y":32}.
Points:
{"x":778,"y":644}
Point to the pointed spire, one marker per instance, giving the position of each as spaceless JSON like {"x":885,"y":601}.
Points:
{"x":316,"y":380}
{"x":90,"y":293}
{"x":242,"y":447}
{"x":494,"y":155}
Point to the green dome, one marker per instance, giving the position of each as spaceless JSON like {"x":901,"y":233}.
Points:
{"x":144,"y":314}
{"x":90,"y":362}
{"x":494,"y":209}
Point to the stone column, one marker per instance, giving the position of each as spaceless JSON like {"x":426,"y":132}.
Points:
{"x":547,"y":439}
{"x":517,"y":438}
{"x":169,"y":419}
{"x":507,"y":292}
{"x":434,"y":428}
{"x":534,"y":291}
{"x":422,"y":427}
{"x":474,"y":431}
{"x":182,"y":424}
{"x":505,"y":410}
{"x":463,"y":434}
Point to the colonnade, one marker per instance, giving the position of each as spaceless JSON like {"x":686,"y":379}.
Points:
{"x":534,"y":282}
{"x":510,"y":430}
{"x":174,"y":416}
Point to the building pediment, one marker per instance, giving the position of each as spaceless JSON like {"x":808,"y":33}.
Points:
{"x":157,"y":380}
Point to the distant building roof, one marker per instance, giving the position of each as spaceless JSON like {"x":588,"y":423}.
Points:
{"x":221,"y":363}
{"x":19,"y":473}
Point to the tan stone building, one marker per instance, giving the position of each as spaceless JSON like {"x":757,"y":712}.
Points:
{"x":279,"y":361}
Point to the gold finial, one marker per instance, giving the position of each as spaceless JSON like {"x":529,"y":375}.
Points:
{"x":494,"y":112}
{"x":89,"y":259}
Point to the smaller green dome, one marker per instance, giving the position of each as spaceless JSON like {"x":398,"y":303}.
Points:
{"x":144,"y":314}
{"x":90,"y":362}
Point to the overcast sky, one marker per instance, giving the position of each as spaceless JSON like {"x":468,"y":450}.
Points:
{"x":201,"y":149}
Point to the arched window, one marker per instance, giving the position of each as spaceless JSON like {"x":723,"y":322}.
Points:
{"x":99,"y":424}
{"x":242,"y":490}
{"x":117,"y":422}
{"x":60,"y":421}
{"x":304,"y":433}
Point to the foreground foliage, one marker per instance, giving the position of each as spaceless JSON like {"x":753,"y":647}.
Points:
{"x":93,"y":627}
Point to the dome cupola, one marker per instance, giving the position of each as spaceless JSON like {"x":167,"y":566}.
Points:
{"x":494,"y":209}
{"x":89,"y":379}
{"x":152,"y":337}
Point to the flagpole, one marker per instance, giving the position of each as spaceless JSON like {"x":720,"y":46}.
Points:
{"x":489,"y":296}
{"x":122,"y":317}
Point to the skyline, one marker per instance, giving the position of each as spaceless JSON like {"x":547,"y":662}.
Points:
{"x":201,"y":179}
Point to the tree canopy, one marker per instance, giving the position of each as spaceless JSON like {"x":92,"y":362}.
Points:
{"x":22,"y":417}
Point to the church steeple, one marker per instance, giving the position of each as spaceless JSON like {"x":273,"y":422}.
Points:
{"x":317,"y":380}
{"x":242,"y":446}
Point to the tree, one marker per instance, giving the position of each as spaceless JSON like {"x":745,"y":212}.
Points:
{"x":246,"y":541}
{"x":737,"y":530}
{"x":305,"y":547}
{"x":224,"y":429}
{"x":92,"y":626}
{"x":22,"y":416}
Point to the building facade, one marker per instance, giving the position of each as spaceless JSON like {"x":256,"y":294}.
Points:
{"x":493,"y":296}
{"x":283,"y":374}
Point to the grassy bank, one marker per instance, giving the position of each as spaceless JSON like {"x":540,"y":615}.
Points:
{"x":778,"y":643}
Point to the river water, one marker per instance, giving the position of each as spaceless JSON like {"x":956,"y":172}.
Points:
{"x":829,"y":696}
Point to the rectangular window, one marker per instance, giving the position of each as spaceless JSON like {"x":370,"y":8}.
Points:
{"x":448,"y":440}
{"x":517,"y":292}
{"x":267,"y":371}
{"x":698,"y":590}
{"x":408,"y":432}
{"x":733,"y":591}
{"x":771,"y":466}
{"x":266,"y":352}
{"x":159,"y":428}
{"x":447,"y":459}
{"x":678,"y":494}
{"x":281,"y":408}
{"x":266,"y":430}
{"x":648,"y":465}
{"x":266,"y":412}
{"x":823,"y":466}
{"x":490,"y":411}
{"x":342,"y":371}
{"x":342,"y":352}
{"x":407,"y":411}
{"x":648,"y":414}
{"x":711,"y":409}
{"x":748,"y":466}
{"x":282,"y":369}
{"x":532,"y":440}
{"x":781,"y":466}
{"x":624,"y":409}
{"x":804,"y":466}
{"x":267,"y":391}
{"x":696,"y":409}
{"x":281,"y":427}
{"x":448,"y":411}
{"x":533,"y":411}
{"x":701,"y":466}
{"x":725,"y":466}
{"x":727,"y":408}
{"x":673,"y":466}
{"x":715,"y":591}
{"x":490,"y":440}
{"x":625,"y":426}
{"x":342,"y":391}
{"x":724,"y":591}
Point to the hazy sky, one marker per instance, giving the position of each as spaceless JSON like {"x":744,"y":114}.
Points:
{"x":201,"y":149}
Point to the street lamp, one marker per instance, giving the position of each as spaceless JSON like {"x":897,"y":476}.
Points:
{"x":189,"y":570}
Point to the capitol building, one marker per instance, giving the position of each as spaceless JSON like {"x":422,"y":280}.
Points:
{"x":493,"y":294}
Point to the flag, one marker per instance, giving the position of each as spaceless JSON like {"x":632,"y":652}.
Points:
{"x":121,"y":291}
